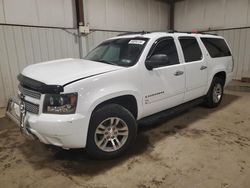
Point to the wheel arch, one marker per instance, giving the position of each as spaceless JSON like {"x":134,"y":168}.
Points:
{"x":218,"y":72}
{"x":221,"y":75}
{"x":127,"y":101}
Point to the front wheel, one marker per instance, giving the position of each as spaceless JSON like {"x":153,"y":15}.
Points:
{"x":215,"y":93}
{"x":112,"y":130}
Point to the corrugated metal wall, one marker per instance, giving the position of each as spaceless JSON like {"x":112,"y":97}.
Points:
{"x":239,"y":41}
{"x":52,"y":13}
{"x":127,"y":15}
{"x":221,"y":15}
{"x":212,"y":14}
{"x":21,"y":46}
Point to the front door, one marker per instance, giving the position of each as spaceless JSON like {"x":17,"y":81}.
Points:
{"x":164,"y":86}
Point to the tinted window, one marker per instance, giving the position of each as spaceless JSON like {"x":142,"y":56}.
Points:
{"x":216,"y":47}
{"x":191,"y":49}
{"x":167,"y":46}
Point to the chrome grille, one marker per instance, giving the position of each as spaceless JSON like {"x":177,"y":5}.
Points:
{"x":30,"y":93}
{"x":32,"y":108}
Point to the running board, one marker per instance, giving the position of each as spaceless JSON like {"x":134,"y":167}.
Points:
{"x":175,"y":110}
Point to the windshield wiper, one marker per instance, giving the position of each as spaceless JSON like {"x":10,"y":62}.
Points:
{"x":107,"y":62}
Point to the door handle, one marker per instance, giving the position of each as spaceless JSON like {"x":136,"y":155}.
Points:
{"x":203,"y":67}
{"x":178,"y":73}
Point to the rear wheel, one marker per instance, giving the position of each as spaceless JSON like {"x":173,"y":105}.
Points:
{"x":215,"y":93}
{"x":112,"y":130}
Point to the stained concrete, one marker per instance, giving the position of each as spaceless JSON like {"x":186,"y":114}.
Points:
{"x":237,"y":85}
{"x":198,"y":148}
{"x":2,"y":112}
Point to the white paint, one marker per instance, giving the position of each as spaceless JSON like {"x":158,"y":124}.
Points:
{"x":197,"y":87}
{"x":63,"y":71}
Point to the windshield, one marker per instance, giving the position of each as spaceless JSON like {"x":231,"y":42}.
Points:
{"x":122,"y":52}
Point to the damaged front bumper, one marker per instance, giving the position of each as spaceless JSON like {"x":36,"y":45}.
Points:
{"x":16,"y":112}
{"x":66,"y":131}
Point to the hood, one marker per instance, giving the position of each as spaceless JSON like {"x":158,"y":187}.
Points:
{"x":63,"y":71}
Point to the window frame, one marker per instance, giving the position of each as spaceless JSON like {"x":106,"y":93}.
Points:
{"x":156,"y":42}
{"x":192,"y":37}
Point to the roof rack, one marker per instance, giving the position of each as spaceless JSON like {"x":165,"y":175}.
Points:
{"x":169,"y":31}
{"x":206,"y":33}
{"x":172,"y":31}
{"x":192,"y":32}
{"x":134,"y":33}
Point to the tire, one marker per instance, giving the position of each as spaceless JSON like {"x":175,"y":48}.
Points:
{"x":111,"y":131}
{"x":215,"y":93}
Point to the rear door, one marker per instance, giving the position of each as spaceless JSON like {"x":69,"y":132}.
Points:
{"x":164,"y":86}
{"x":195,"y":67}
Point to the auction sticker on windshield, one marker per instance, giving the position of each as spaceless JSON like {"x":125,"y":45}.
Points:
{"x":140,"y":42}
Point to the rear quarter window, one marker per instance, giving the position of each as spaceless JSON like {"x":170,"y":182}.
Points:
{"x":216,"y":47}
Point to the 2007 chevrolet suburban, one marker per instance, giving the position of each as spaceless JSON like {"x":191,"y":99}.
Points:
{"x":95,"y":102}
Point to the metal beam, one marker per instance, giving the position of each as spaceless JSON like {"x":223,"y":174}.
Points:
{"x":79,"y":12}
{"x":171,"y":15}
{"x":171,"y":12}
{"x":80,"y":22}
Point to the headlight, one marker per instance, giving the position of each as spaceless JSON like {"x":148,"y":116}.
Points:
{"x":60,"y":103}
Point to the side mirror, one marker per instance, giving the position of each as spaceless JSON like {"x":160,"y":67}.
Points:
{"x":157,"y":60}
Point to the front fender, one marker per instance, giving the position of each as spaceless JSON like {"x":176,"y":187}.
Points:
{"x":95,"y":90}
{"x":101,"y":97}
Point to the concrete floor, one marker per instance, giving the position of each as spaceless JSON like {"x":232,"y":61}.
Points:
{"x":199,"y":148}
{"x":2,"y":112}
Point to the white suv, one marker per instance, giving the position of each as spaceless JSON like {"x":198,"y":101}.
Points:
{"x":95,"y":102}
